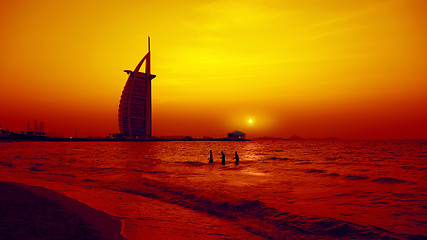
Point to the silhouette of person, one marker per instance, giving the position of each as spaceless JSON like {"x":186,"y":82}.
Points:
{"x":236,"y":156}
{"x":210,"y":157}
{"x":222,"y":158}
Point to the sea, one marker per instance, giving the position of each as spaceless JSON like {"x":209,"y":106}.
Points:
{"x":297,"y":189}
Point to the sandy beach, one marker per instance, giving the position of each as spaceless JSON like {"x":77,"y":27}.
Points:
{"x":33,"y":212}
{"x":30,"y":212}
{"x":281,"y":190}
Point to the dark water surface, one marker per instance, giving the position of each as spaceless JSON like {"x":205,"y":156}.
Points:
{"x":302,"y":189}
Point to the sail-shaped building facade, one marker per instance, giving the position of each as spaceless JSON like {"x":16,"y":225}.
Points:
{"x":135,"y":102}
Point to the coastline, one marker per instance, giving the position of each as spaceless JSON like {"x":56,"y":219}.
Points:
{"x":44,"y":139}
{"x":30,"y":212}
{"x":140,"y":217}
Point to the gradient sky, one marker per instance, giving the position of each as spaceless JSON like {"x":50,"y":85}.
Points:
{"x":332,"y":68}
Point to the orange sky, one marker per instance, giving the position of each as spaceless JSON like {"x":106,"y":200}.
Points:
{"x":348,"y":69}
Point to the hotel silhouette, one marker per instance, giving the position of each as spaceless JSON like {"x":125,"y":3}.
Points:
{"x":135,"y":103}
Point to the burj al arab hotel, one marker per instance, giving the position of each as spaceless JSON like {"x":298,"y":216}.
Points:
{"x":135,"y":103}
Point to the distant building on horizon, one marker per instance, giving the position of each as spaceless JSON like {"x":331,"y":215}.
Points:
{"x":135,"y":102}
{"x":236,"y":135}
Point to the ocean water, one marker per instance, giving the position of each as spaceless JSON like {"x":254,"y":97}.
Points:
{"x":303,"y":189}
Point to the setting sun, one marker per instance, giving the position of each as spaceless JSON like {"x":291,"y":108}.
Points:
{"x":157,"y":100}
{"x":333,"y":68}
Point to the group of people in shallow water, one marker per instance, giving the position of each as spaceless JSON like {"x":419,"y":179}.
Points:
{"x":236,"y":157}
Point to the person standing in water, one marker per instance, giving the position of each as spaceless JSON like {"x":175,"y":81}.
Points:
{"x":236,"y":156}
{"x":210,"y":157}
{"x":222,"y":158}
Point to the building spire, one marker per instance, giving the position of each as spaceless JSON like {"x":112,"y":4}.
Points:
{"x":147,"y":61}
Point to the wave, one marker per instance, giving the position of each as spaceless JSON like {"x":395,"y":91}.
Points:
{"x":356,"y":177}
{"x":68,"y":175}
{"x":90,"y":180}
{"x":388,"y":180}
{"x":404,"y":195}
{"x":148,"y":171}
{"x":409,"y":167}
{"x":278,"y":158}
{"x":194,"y":163}
{"x":312,"y":170}
{"x":256,"y":216}
{"x":35,"y":169}
{"x":6,"y":164}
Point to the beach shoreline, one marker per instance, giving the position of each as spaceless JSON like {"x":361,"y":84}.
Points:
{"x":140,"y":217}
{"x":31,"y":212}
{"x":292,"y":190}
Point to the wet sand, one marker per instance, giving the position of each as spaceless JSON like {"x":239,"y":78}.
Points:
{"x":33,"y":212}
{"x":29,"y":212}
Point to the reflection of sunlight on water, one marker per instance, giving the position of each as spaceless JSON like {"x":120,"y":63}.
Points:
{"x":253,"y":172}
{"x":252,"y":151}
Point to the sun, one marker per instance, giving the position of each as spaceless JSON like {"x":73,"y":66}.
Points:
{"x":250,"y":120}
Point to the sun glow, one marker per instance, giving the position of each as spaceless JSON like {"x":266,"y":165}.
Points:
{"x":311,"y":68}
